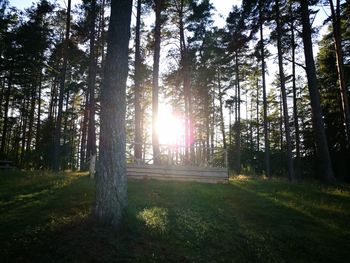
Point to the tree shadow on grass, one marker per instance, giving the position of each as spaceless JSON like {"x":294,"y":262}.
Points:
{"x":175,"y":222}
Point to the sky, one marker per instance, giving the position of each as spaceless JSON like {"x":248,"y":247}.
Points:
{"x":223,"y":7}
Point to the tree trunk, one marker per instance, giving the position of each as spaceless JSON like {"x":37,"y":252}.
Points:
{"x":31,"y":121}
{"x":137,"y":98}
{"x":84,"y":125}
{"x":325,"y":164}
{"x":111,"y":181}
{"x":155,"y":86}
{"x":57,"y":137}
{"x":91,"y":138}
{"x":222,"y":121}
{"x":295,"y":105}
{"x":291,"y":174}
{"x":5,"y":125}
{"x":38,"y":123}
{"x":238,"y":103}
{"x":336,"y":22}
{"x":266,"y":132}
{"x":257,"y":116}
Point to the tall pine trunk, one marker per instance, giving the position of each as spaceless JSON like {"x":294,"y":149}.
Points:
{"x":57,"y":136}
{"x":266,"y":131}
{"x":137,"y":94}
{"x":238,"y":103}
{"x":222,"y":121}
{"x":155,"y":82}
{"x":91,"y":137}
{"x":344,"y":94}
{"x":295,"y":105}
{"x":6,"y":109}
{"x":111,"y":180}
{"x":324,"y":163}
{"x":291,"y":174}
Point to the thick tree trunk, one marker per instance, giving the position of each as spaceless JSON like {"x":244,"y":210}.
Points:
{"x":325,"y":164}
{"x":266,"y":131}
{"x":155,"y":83}
{"x":137,"y":94}
{"x":111,"y":181}
{"x":91,"y":138}
{"x":57,"y":136}
{"x":291,"y":174}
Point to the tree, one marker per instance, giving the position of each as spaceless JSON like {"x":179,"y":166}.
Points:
{"x":155,"y":82}
{"x":344,"y":93}
{"x":111,"y":181}
{"x":325,"y":165}
{"x":284,"y":93}
{"x":57,"y":136}
{"x":137,"y":95}
{"x":91,"y":138}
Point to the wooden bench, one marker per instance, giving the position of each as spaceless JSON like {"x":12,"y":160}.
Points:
{"x":180,"y":173}
{"x":6,"y":165}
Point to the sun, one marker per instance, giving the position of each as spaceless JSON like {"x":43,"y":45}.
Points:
{"x":170,"y":126}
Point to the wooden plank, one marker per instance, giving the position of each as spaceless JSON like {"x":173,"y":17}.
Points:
{"x":182,"y":173}
{"x":175,"y":167}
{"x":142,"y":172}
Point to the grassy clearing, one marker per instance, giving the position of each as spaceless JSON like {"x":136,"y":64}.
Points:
{"x":46,"y":218}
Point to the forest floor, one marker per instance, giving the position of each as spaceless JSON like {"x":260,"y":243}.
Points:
{"x":45,"y":218}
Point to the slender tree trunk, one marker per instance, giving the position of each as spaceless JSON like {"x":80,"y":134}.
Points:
{"x":111,"y":181}
{"x":238,"y":134}
{"x":155,"y":86}
{"x":336,"y":22}
{"x":57,"y":136}
{"x":38,"y":122}
{"x":291,"y":174}
{"x":6,"y":109}
{"x":31,"y":120}
{"x":137,"y":98}
{"x":295,"y":105}
{"x":266,"y":132}
{"x":24,"y":129}
{"x":222,"y":121}
{"x":325,"y":164}
{"x":186,"y":81}
{"x":84,"y":135}
{"x":257,"y":116}
{"x":91,"y":138}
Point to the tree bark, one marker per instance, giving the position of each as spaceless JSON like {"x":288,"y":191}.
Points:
{"x":325,"y":164}
{"x":137,"y":98}
{"x":57,"y":136}
{"x":266,"y":132}
{"x":111,"y":180}
{"x":91,"y":138}
{"x":238,"y":103}
{"x":6,"y":109}
{"x":155,"y":82}
{"x":295,"y":105}
{"x":336,"y":22}
{"x":291,"y":174}
{"x":222,"y":121}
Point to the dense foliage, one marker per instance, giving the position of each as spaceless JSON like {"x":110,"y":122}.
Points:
{"x":51,"y":67}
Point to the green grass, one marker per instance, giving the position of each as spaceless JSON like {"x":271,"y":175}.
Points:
{"x":45,"y":218}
